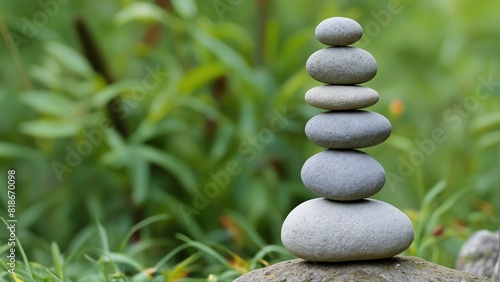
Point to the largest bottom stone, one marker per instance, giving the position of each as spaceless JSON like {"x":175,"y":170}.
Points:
{"x":330,"y":231}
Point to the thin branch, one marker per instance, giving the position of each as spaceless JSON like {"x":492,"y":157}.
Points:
{"x":99,"y":65}
{"x":4,"y":29}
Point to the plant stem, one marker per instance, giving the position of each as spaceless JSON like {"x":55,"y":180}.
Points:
{"x":98,"y":64}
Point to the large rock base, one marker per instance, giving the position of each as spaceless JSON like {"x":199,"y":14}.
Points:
{"x":397,"y":269}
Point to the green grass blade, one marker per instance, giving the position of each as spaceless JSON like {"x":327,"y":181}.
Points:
{"x":140,"y":225}
{"x":445,"y":206}
{"x":170,"y":163}
{"x":204,"y":248}
{"x":247,"y":228}
{"x":103,"y":236}
{"x":432,"y":194}
{"x":29,"y":272}
{"x":425,"y":209}
{"x":53,"y":275}
{"x":181,"y":267}
{"x":140,"y":175}
{"x":79,"y":241}
{"x":266,"y":250}
{"x":58,"y":260}
{"x":121,"y":258}
{"x":170,"y":255}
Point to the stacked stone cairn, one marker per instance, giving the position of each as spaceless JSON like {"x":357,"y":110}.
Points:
{"x":343,"y":225}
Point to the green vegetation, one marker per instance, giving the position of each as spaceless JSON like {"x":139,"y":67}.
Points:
{"x":176,"y":154}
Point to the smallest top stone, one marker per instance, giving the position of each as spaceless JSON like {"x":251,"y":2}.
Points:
{"x":338,"y":31}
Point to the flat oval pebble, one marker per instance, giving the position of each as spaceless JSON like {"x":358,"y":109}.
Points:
{"x":348,"y":129}
{"x":343,"y":175}
{"x":338,"y":31}
{"x":341,"y":97}
{"x":330,"y":231}
{"x":342,"y":65}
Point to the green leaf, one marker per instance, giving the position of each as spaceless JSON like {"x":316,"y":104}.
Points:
{"x":101,"y":98}
{"x":232,"y":32}
{"x":291,"y":86}
{"x":271,"y":40}
{"x":8,"y":150}
{"x":247,"y":119}
{"x":201,"y":76}
{"x":148,"y":130}
{"x":69,"y":58}
{"x":224,"y":53}
{"x":486,"y":122}
{"x":295,"y":43}
{"x":487,"y":141}
{"x":44,"y":77}
{"x":119,"y":155}
{"x":186,"y":8}
{"x":115,"y":141}
{"x":222,"y":141}
{"x":400,"y":142}
{"x":199,"y":106}
{"x":171,"y":164}
{"x":141,"y":11}
{"x":139,"y":171}
{"x":50,"y":128}
{"x":81,"y":89}
{"x":165,"y":101}
{"x":49,"y":103}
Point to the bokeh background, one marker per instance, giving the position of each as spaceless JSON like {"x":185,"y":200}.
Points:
{"x":164,"y":140}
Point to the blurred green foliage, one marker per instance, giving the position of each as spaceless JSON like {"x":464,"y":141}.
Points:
{"x":211,"y":98}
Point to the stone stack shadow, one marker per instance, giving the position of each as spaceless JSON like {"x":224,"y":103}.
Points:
{"x":343,"y":225}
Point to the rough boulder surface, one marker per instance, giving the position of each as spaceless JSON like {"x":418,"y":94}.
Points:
{"x":479,"y":254}
{"x":396,"y":269}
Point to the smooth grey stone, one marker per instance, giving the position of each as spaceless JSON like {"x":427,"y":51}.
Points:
{"x":341,"y":97}
{"x":396,"y":269}
{"x":338,"y":31}
{"x":332,"y":231}
{"x":341,"y":65}
{"x":348,"y":129}
{"x":343,"y":175}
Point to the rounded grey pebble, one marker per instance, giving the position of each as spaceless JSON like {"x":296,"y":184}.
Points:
{"x":342,"y":65}
{"x":343,"y":175}
{"x":348,"y":129}
{"x":338,"y":31}
{"x":341,"y":97}
{"x":331,"y":231}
